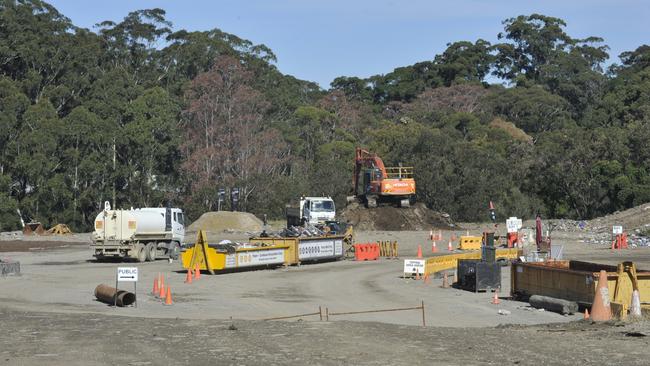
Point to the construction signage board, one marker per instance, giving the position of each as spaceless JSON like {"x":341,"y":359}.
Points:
{"x":252,"y":258}
{"x":127,"y":274}
{"x":617,"y":229}
{"x":314,"y":249}
{"x":414,"y":266}
{"x":513,"y":224}
{"x":231,"y":261}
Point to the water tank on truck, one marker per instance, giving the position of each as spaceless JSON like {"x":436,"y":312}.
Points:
{"x":141,"y":234}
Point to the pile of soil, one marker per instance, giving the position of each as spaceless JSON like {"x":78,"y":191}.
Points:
{"x":634,"y":218}
{"x":226,"y":221}
{"x":387,"y":218}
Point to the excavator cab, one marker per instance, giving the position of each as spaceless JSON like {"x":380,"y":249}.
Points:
{"x":374,"y":183}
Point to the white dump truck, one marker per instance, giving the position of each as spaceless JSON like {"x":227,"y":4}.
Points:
{"x":312,"y":210}
{"x":141,"y":234}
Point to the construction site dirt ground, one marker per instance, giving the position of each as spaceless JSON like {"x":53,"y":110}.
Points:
{"x":49,"y":314}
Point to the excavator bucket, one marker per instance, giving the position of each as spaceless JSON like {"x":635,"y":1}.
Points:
{"x":33,"y":228}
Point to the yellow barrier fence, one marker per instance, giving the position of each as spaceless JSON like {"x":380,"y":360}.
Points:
{"x":449,"y":261}
{"x":470,"y":242}
{"x":388,"y":249}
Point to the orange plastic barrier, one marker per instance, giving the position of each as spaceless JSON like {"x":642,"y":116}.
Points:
{"x":513,"y":240}
{"x":366,"y":252}
{"x":620,"y":242}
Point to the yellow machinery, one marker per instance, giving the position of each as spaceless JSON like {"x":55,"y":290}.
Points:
{"x":60,"y":229}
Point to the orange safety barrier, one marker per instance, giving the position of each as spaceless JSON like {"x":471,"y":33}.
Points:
{"x":513,"y":240}
{"x":620,"y":242}
{"x":366,"y":252}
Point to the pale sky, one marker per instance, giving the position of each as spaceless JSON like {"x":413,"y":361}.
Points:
{"x":321,"y":40}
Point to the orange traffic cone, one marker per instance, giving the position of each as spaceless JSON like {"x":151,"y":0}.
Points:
{"x":600,"y":308}
{"x":161,"y":288}
{"x":188,"y":277}
{"x":586,"y":316}
{"x":495,"y":299}
{"x":426,"y":278}
{"x":445,"y":281}
{"x":449,"y":247}
{"x":455,"y":276}
{"x":419,"y":251}
{"x":197,"y":271}
{"x":417,"y":276}
{"x":433,"y":247}
{"x":155,"y":286}
{"x":168,"y":298}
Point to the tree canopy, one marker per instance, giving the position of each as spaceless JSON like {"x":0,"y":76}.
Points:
{"x":154,"y":115}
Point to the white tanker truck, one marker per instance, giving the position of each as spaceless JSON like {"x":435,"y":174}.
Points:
{"x":141,"y":234}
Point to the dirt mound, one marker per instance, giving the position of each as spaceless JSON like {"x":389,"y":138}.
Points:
{"x":634,"y":218}
{"x":221,"y":221}
{"x":417,"y":217}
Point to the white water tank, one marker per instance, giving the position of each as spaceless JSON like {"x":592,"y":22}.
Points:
{"x":124,"y":224}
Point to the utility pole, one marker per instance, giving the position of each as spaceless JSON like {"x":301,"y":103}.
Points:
{"x":114,"y":178}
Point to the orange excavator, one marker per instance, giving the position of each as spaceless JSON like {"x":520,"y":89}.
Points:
{"x":374,"y":184}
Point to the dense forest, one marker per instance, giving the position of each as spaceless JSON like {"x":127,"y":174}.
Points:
{"x":151,"y":114}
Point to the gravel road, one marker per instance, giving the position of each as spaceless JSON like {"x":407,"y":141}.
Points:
{"x":33,"y":338}
{"x":49,"y":315}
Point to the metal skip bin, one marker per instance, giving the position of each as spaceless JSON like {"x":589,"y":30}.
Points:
{"x":577,"y":281}
{"x":308,"y":249}
{"x":223,"y":257}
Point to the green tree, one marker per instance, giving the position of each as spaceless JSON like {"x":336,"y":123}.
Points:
{"x":465,"y":62}
{"x":537,"y":42}
{"x":532,"y":109}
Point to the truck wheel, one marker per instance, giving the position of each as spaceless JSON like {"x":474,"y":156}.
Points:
{"x":174,"y":250}
{"x":141,"y":251}
{"x":151,"y":250}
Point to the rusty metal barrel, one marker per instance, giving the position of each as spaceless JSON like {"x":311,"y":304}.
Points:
{"x":108,"y":294}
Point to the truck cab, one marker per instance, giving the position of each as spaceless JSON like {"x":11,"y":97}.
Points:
{"x":317,"y":210}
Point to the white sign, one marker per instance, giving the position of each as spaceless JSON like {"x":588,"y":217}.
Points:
{"x":617,"y":229}
{"x":260,"y":257}
{"x":513,"y":224}
{"x":311,"y":249}
{"x":413,"y":266}
{"x":127,"y":274}
{"x":338,"y":247}
{"x":231,"y":261}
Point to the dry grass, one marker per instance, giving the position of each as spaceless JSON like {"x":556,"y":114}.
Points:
{"x":512,"y":130}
